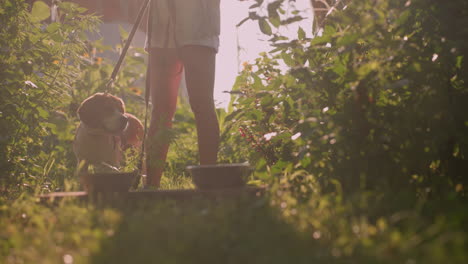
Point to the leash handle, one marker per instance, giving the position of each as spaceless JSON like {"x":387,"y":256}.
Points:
{"x":127,"y":45}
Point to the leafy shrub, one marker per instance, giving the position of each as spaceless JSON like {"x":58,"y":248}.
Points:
{"x":46,"y":70}
{"x":376,"y":100}
{"x":38,"y":65}
{"x":362,"y":128}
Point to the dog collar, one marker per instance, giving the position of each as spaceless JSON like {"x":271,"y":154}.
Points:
{"x":96,"y":131}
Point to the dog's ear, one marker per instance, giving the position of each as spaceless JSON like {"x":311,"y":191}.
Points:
{"x":134,"y":133}
{"x":120,"y":104}
{"x":88,"y":114}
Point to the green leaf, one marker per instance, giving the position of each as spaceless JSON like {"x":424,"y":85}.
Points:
{"x":40,"y":11}
{"x":51,"y":28}
{"x":275,"y":21}
{"x":273,"y":15}
{"x":278,"y":167}
{"x":459,"y":62}
{"x":288,"y":59}
{"x":257,"y":85}
{"x":123,"y":33}
{"x":240,"y":81}
{"x":266,"y":101}
{"x":365,"y":69}
{"x":255,"y":114}
{"x":42,"y":112}
{"x":301,"y":33}
{"x":57,"y":37}
{"x":264,"y":26}
{"x":347,"y":39}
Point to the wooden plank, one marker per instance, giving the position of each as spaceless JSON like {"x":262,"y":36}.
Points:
{"x":140,"y":195}
{"x":191,"y":193}
{"x":63,"y":194}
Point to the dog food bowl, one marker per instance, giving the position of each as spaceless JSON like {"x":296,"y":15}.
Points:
{"x":111,"y":181}
{"x":220,"y":176}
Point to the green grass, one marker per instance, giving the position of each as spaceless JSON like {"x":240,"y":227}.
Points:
{"x":277,"y":228}
{"x":272,"y":229}
{"x":197,"y":231}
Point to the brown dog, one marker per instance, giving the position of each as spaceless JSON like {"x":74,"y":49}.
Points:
{"x":104,"y":131}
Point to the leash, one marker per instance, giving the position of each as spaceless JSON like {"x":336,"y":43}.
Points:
{"x":147,"y":94}
{"x":111,"y":81}
{"x":127,"y":45}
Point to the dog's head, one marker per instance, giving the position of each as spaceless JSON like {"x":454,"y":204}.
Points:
{"x":103,"y":111}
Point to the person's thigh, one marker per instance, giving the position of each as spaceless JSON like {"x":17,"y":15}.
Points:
{"x":199,"y":63}
{"x":165,"y":73}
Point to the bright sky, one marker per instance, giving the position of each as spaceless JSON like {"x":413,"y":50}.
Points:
{"x":251,"y":41}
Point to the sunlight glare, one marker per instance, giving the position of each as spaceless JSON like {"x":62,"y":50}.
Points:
{"x":250,"y":40}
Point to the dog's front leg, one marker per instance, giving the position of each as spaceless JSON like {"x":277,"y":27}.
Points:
{"x":82,"y":171}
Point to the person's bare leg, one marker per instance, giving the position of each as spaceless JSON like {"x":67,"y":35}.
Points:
{"x":199,"y":63}
{"x":166,"y":74}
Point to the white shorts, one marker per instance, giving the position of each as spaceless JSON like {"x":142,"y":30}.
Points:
{"x":177,"y":23}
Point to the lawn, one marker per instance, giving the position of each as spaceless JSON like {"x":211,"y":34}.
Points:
{"x":192,"y":231}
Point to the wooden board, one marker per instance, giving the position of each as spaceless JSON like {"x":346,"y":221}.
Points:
{"x":140,"y":195}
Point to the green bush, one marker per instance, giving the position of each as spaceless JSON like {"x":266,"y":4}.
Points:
{"x":363,"y":132}
{"x":39,"y":63}
{"x":46,"y":70}
{"x":376,"y":101}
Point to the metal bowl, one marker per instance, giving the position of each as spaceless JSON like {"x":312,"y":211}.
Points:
{"x":111,"y":181}
{"x":220,"y":176}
